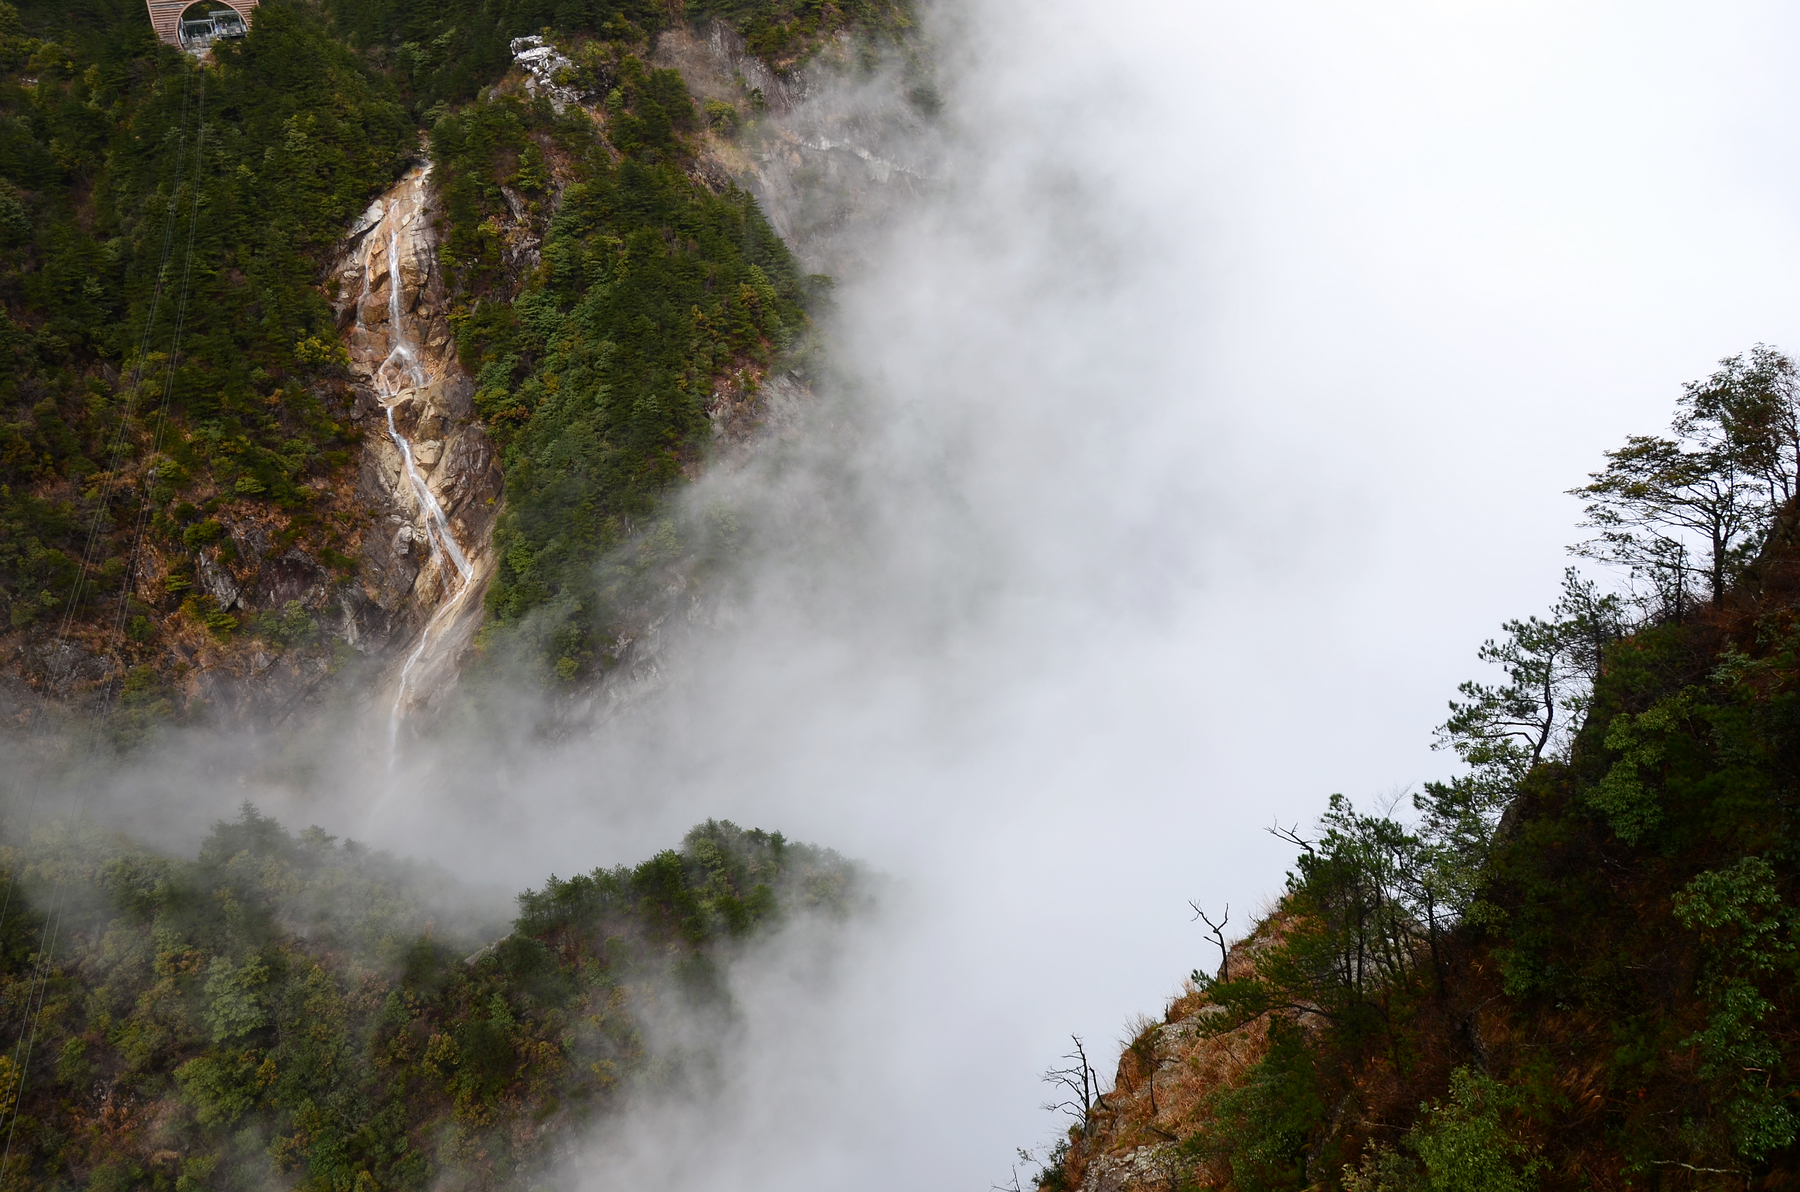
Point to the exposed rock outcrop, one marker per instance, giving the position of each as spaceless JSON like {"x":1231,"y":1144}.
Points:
{"x":831,"y":150}
{"x":429,"y":477}
{"x":1163,"y":1090}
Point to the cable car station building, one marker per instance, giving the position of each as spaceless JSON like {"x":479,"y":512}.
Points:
{"x":196,"y":32}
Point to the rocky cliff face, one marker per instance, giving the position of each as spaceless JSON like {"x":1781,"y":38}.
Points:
{"x":1162,"y":1093}
{"x":429,"y":481}
{"x":831,"y":150}
{"x":388,"y":595}
{"x":413,"y":515}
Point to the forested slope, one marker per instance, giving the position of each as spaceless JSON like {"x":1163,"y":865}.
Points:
{"x":179,"y":434}
{"x":123,"y":464}
{"x":284,"y":1011}
{"x":595,"y":370}
{"x":1575,"y":965}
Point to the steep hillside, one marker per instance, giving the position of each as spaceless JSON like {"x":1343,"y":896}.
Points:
{"x":1573,"y":966}
{"x":205,"y":508}
{"x":632,"y":315}
{"x":137,"y":477}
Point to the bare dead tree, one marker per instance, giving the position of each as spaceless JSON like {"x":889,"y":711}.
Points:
{"x":1218,"y":933}
{"x":1079,"y":1081}
{"x":1144,"y":1048}
{"x":1013,"y":1184}
{"x":1291,"y":835}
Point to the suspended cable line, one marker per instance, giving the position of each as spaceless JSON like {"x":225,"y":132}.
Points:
{"x":38,"y":988}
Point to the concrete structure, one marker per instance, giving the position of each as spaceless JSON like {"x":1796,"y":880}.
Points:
{"x":165,"y":18}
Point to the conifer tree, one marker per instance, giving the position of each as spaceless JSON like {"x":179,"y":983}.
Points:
{"x":1702,"y":499}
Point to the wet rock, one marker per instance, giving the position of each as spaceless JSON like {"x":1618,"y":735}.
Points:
{"x":415,"y":270}
{"x":542,"y":64}
{"x":291,"y":577}
{"x":252,"y":539}
{"x":455,"y":396}
{"x":401,"y":581}
{"x":367,"y":219}
{"x":69,"y":661}
{"x":215,"y":581}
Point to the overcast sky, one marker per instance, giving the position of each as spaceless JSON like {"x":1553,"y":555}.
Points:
{"x":1213,"y":419}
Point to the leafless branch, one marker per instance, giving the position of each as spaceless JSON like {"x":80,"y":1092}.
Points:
{"x":1079,"y":1079}
{"x":1703,"y":1170}
{"x":1291,"y":835}
{"x":1218,"y":933}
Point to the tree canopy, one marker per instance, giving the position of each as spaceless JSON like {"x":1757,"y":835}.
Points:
{"x":1700,"y":500}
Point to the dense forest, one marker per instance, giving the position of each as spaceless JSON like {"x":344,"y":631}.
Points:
{"x":173,"y":393}
{"x":1577,"y":963}
{"x":285,"y":1011}
{"x":594,"y":379}
{"x":148,"y":202}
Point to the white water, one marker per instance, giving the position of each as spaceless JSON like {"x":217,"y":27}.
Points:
{"x":392,"y":387}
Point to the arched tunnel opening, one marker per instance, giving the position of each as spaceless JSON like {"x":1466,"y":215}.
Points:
{"x":208,"y":21}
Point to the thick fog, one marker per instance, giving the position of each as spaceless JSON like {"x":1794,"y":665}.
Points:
{"x":1183,"y":451}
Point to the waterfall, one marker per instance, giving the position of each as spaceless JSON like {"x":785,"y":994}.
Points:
{"x":397,"y":376}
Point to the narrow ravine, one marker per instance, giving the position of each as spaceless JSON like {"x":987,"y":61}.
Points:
{"x":400,"y":345}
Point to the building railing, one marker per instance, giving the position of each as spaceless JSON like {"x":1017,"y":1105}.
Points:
{"x":197,"y":33}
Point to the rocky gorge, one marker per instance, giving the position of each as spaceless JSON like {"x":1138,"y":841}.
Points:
{"x":370,"y":586}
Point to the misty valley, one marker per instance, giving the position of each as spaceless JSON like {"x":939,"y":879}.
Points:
{"x":298,"y":984}
{"x":444,"y":446}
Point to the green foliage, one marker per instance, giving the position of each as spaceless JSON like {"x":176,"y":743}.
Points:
{"x":233,"y":998}
{"x":1642,"y":743}
{"x":781,"y":30}
{"x":647,"y":111}
{"x":721,"y":117}
{"x":1359,"y":950}
{"x":1465,"y":1145}
{"x":1502,"y":731}
{"x":286,"y":1007}
{"x":1462,"y":1144}
{"x":287,"y":627}
{"x":1701,"y":502}
{"x":477,"y":151}
{"x":1365,"y":926}
{"x":618,"y":385}
{"x":1582,"y":955}
{"x":1052,"y":1176}
{"x":113,"y":147}
{"x":1673,"y":812}
{"x":1263,"y":1126}
{"x":1747,"y":933}
{"x":442,"y":53}
{"x":595,"y":380}
{"x":221,"y":1088}
{"x":107,"y":164}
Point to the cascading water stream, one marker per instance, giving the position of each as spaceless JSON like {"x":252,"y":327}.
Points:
{"x":390,"y":387}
